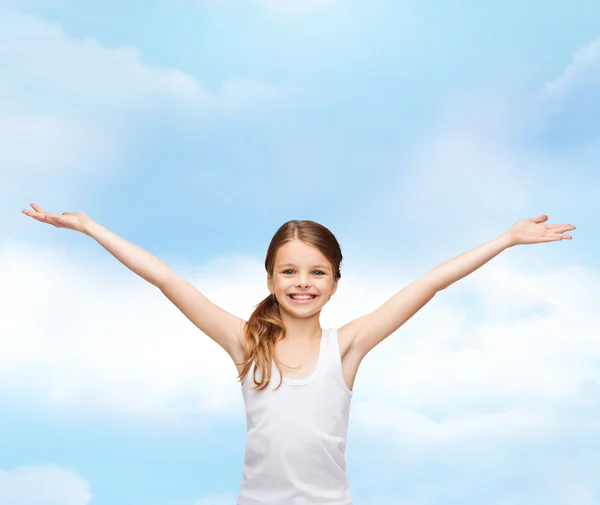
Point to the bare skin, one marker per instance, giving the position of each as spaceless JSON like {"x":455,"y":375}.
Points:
{"x":301,"y":346}
{"x":300,"y":267}
{"x":308,"y":272}
{"x":75,"y":221}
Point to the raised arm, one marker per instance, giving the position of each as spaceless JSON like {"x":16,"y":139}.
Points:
{"x":221,"y":326}
{"x":368,"y":331}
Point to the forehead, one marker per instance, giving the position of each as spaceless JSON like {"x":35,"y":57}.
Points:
{"x":298,"y":252}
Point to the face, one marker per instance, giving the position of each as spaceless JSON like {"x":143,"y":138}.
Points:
{"x":301,"y":268}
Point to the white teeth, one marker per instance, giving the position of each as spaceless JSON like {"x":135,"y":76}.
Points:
{"x":302,"y":297}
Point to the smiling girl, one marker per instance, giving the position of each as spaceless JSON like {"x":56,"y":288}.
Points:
{"x":296,"y":377}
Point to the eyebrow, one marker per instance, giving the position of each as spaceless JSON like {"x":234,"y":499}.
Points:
{"x":292,"y":265}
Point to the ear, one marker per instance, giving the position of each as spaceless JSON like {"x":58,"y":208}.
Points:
{"x":270,"y":283}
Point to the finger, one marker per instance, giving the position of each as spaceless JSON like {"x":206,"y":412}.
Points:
{"x":551,"y":237}
{"x":30,"y":213}
{"x":37,"y":208}
{"x":41,"y":215}
{"x":540,"y":219}
{"x":565,"y":227}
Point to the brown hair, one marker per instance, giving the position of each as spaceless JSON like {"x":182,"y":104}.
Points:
{"x":265,"y":326}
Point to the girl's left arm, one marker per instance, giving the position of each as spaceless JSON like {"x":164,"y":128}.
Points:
{"x":371,"y":329}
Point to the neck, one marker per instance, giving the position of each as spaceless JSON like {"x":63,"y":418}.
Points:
{"x":302,"y":330}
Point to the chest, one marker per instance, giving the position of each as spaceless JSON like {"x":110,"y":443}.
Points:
{"x":299,"y":362}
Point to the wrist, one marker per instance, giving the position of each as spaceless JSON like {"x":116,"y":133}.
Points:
{"x":507,"y":240}
{"x":90,"y":227}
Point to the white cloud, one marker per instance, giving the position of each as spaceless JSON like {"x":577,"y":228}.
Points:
{"x":524,"y":370}
{"x":487,"y":158}
{"x":32,"y":143}
{"x":514,"y":352}
{"x":97,"y":337}
{"x":483,"y":165}
{"x":84,"y":72}
{"x":71,"y":102}
{"x":467,"y":169}
{"x":61,"y":101}
{"x":148,"y":366}
{"x":43,"y":485}
{"x":584,"y":67}
{"x":507,"y":355}
{"x":147,"y":359}
{"x":568,"y":107}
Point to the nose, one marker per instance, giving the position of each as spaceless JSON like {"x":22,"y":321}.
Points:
{"x":302,"y":281}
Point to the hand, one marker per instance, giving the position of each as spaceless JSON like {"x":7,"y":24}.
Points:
{"x":532,"y":231}
{"x":73,"y":221}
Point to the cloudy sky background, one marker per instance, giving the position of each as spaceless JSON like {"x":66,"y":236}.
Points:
{"x":194,"y":128}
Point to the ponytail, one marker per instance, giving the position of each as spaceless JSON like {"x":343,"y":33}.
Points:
{"x":263,"y":330}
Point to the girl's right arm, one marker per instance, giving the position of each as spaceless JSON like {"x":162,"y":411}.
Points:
{"x":221,"y":326}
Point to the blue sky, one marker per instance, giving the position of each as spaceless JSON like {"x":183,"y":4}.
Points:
{"x":194,"y":128}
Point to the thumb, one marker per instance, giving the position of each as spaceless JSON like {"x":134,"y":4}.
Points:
{"x":541,"y":218}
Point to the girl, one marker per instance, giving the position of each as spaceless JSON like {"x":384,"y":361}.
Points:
{"x":297,"y":420}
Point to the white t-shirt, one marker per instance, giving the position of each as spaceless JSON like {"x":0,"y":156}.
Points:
{"x":296,"y":436}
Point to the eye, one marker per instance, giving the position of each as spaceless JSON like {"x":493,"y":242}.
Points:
{"x":285,"y":272}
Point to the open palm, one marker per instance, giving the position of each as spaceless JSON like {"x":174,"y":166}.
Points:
{"x":73,"y":221}
{"x":534,"y":231}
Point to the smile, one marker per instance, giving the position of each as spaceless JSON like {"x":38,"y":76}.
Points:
{"x":302,"y":298}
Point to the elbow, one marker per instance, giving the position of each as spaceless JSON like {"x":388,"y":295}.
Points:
{"x":434,"y":282}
